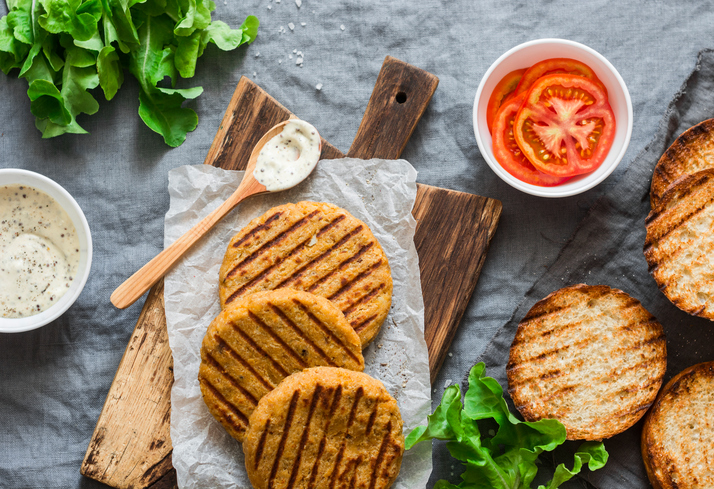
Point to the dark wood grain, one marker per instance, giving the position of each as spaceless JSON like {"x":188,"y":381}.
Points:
{"x":452,"y":235}
{"x":400,"y":97}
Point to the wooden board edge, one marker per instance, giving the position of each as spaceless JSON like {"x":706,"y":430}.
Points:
{"x":162,"y":444}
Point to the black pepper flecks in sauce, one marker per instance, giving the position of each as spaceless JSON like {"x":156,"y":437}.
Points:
{"x":39,"y":251}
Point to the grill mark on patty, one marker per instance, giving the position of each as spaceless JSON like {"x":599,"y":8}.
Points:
{"x":303,"y":336}
{"x":301,"y":246}
{"x":359,"y":326}
{"x":284,"y":437}
{"x":234,"y":382}
{"x":261,"y":445}
{"x":377,"y":464}
{"x":227,"y":405}
{"x":257,"y":229}
{"x":278,"y":340}
{"x":372,"y":418}
{"x":347,"y":286}
{"x":365,"y":298}
{"x":357,"y":463}
{"x":262,"y":352}
{"x":326,"y":330}
{"x":233,"y":354}
{"x":344,"y":264}
{"x":303,"y":439}
{"x":353,"y":411}
{"x":321,"y":448}
{"x":270,"y":244}
{"x":299,"y":272}
{"x":350,"y":421}
{"x":338,"y":461}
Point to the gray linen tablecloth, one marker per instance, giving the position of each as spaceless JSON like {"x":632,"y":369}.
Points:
{"x":53,"y":381}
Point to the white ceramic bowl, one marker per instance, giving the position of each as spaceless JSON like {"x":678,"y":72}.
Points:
{"x":528,"y":54}
{"x":64,"y":199}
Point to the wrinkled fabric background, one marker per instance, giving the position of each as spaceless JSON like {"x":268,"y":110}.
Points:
{"x":53,"y":381}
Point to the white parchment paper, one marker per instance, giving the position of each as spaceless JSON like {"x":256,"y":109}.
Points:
{"x":379,"y":192}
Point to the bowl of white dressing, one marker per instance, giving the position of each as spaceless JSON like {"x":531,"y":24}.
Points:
{"x":45,"y":250}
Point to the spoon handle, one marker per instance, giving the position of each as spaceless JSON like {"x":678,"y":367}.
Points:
{"x":135,"y":286}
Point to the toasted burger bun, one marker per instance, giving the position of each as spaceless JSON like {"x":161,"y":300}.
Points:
{"x":679,"y":247}
{"x":691,"y":152}
{"x":589,"y":356}
{"x":678,"y":435}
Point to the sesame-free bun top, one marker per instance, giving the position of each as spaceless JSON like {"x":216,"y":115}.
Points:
{"x":589,"y":356}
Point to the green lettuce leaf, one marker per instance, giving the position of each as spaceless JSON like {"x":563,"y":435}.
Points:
{"x":109,"y":69}
{"x":67,"y":48}
{"x":591,"y":453}
{"x":160,"y":108}
{"x":506,"y":455}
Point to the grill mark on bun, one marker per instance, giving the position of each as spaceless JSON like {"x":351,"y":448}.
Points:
{"x":299,"y":272}
{"x":270,"y":244}
{"x":300,"y":247}
{"x":227,"y":406}
{"x":316,"y":395}
{"x":303,"y":336}
{"x":233,"y":354}
{"x":675,"y":226}
{"x":287,"y":348}
{"x":551,"y":353}
{"x":219,"y":368}
{"x":327,"y":331}
{"x":257,"y":229}
{"x":257,"y":348}
{"x":284,"y":437}
{"x":344,"y":264}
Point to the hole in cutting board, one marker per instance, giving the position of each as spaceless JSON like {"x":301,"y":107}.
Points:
{"x":401,"y":97}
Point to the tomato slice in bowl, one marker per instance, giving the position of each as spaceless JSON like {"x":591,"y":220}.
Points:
{"x":507,"y":152}
{"x":503,"y":90}
{"x":565,"y":126}
{"x":553,"y":66}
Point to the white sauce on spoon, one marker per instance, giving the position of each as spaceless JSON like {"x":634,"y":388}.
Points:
{"x":39,"y":251}
{"x":288,"y":158}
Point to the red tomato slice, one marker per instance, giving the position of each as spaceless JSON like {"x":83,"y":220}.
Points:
{"x":503,"y":89}
{"x":507,"y":152}
{"x":565,"y":126}
{"x":553,"y":66}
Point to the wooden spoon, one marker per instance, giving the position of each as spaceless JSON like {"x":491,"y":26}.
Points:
{"x":135,"y":286}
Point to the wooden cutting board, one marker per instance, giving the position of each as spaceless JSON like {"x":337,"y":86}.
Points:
{"x":131,"y":446}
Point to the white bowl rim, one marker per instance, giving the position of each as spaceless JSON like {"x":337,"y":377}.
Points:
{"x":551,"y":192}
{"x":20,"y":325}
